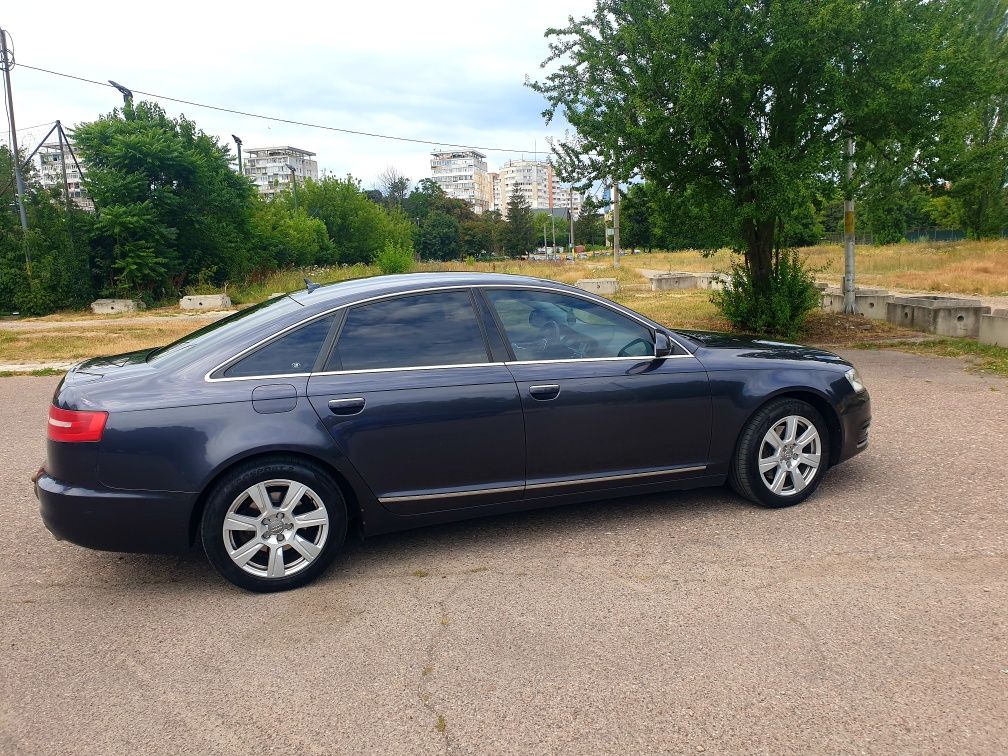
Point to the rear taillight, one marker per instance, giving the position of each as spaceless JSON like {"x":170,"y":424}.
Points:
{"x":74,"y":425}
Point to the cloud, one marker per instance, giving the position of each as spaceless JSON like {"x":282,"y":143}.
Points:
{"x":451,"y":71}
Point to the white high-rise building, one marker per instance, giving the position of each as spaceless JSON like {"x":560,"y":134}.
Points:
{"x":536,"y":181}
{"x":463,"y":175}
{"x":48,"y":161}
{"x":270,"y":167}
{"x":495,"y":192}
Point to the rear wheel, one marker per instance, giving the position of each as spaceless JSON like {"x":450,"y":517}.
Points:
{"x":782,"y":454}
{"x":274,"y":525}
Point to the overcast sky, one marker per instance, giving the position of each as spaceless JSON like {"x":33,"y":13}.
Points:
{"x":445,"y":71}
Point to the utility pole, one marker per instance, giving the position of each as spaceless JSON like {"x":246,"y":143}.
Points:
{"x":615,"y":224}
{"x":7,"y":62}
{"x":553,"y":223}
{"x":849,"y":304}
{"x":544,"y":236}
{"x":570,"y":219}
{"x":66,"y":185}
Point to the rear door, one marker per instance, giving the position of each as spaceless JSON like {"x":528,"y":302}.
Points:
{"x":600,"y":410}
{"x":415,"y":399}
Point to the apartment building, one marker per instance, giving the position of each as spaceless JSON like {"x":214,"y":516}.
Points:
{"x":49,"y":163}
{"x":541,"y":188}
{"x":270,"y":167}
{"x":495,"y":192}
{"x":463,"y":175}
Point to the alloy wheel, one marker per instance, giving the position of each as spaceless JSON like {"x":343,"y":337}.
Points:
{"x":790,"y":455}
{"x":275,"y":528}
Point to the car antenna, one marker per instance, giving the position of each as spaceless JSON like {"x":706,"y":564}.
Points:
{"x":310,"y":285}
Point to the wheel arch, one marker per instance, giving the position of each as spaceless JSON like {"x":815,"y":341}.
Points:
{"x":350,"y":495}
{"x":821,"y":403}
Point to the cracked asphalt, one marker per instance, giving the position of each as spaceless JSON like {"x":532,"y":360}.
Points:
{"x":871,"y":619}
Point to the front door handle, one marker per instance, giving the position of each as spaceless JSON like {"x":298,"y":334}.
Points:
{"x":346,"y":406}
{"x":544,"y":393}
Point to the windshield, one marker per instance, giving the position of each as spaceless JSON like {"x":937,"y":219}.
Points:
{"x":249,"y":318}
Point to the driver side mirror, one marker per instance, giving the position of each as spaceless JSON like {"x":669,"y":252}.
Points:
{"x":663,"y":345}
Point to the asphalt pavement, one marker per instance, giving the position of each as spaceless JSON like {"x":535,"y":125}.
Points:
{"x":871,"y":619}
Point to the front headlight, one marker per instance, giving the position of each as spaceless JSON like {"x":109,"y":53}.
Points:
{"x":854,"y":379}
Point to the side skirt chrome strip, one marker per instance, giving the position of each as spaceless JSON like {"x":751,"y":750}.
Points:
{"x":548,"y":484}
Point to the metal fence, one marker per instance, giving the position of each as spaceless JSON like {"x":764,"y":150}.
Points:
{"x":912,"y":235}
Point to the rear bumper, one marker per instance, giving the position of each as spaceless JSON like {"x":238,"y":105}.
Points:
{"x":154,"y":522}
{"x":856,"y":421}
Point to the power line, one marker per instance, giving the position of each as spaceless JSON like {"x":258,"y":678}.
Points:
{"x":275,"y":119}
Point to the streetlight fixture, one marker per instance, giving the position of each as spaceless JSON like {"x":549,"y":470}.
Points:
{"x":127,"y":94}
{"x":238,"y":141}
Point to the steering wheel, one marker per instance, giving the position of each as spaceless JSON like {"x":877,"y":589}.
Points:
{"x":622,"y":352}
{"x":550,"y":334}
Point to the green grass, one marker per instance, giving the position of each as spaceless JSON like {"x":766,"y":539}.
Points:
{"x":983,"y":357}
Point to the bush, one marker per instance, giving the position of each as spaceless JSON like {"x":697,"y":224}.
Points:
{"x":780,"y":308}
{"x":394,"y":258}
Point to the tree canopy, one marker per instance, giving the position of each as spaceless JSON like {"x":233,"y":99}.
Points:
{"x":745,"y":106}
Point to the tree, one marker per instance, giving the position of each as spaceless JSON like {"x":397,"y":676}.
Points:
{"x":169,"y":206}
{"x":589,"y":226}
{"x":970,"y":151}
{"x":636,"y":214}
{"x":439,"y":237}
{"x":358,"y":228}
{"x":519,"y":233}
{"x":394,"y":187}
{"x":746,"y":105}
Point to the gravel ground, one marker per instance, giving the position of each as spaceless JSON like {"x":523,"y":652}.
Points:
{"x":870,"y":619}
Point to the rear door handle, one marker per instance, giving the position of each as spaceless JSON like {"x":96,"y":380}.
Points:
{"x":545,"y":392}
{"x":346,"y":406}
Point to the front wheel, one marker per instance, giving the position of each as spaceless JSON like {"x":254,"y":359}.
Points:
{"x":782,"y":454}
{"x":274,"y":525}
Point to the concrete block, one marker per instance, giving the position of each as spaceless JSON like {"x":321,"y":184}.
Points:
{"x":599,"y":285}
{"x":712,"y":280}
{"x":673,"y":281}
{"x":994,"y":328}
{"x":114,"y":306}
{"x":205,"y":302}
{"x":945,"y":316}
{"x":871,"y":303}
{"x":276,"y":294}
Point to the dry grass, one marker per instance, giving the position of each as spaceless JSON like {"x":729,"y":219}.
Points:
{"x":967,"y":267}
{"x":75,"y":343}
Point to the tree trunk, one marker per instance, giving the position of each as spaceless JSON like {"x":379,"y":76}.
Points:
{"x":759,"y":237}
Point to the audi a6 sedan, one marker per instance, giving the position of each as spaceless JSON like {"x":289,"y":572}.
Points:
{"x":400,"y":401}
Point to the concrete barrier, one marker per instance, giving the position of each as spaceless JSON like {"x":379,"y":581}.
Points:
{"x":599,"y":285}
{"x":673,"y":281}
{"x":871,"y":303}
{"x":994,"y":328}
{"x":114,"y":306}
{"x":712,"y":280}
{"x":945,"y":316}
{"x":205,"y":302}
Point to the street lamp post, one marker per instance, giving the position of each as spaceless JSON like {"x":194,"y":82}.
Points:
{"x":293,"y":183}
{"x":241,"y":168}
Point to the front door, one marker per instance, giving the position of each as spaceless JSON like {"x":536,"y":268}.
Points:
{"x":412,"y":399}
{"x":600,"y":409}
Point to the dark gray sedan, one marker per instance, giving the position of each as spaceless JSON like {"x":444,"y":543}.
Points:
{"x":401,"y":401}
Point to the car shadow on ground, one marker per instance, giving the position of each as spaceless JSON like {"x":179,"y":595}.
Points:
{"x":474,"y":540}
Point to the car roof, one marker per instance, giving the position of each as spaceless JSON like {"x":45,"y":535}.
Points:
{"x":347,"y":291}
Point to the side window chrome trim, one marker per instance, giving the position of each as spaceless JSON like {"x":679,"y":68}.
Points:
{"x":450,"y":287}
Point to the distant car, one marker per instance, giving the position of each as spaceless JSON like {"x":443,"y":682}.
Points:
{"x":402,"y":401}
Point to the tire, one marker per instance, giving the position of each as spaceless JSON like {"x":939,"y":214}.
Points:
{"x":273,"y":525}
{"x":792,"y":459}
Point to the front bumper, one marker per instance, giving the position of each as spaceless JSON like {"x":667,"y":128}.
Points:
{"x":855,"y":421}
{"x":155,"y":522}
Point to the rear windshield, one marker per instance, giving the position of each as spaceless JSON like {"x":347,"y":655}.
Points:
{"x":254,"y":318}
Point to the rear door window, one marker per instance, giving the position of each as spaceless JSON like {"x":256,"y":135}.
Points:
{"x":422,"y":330}
{"x":294,"y":352}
